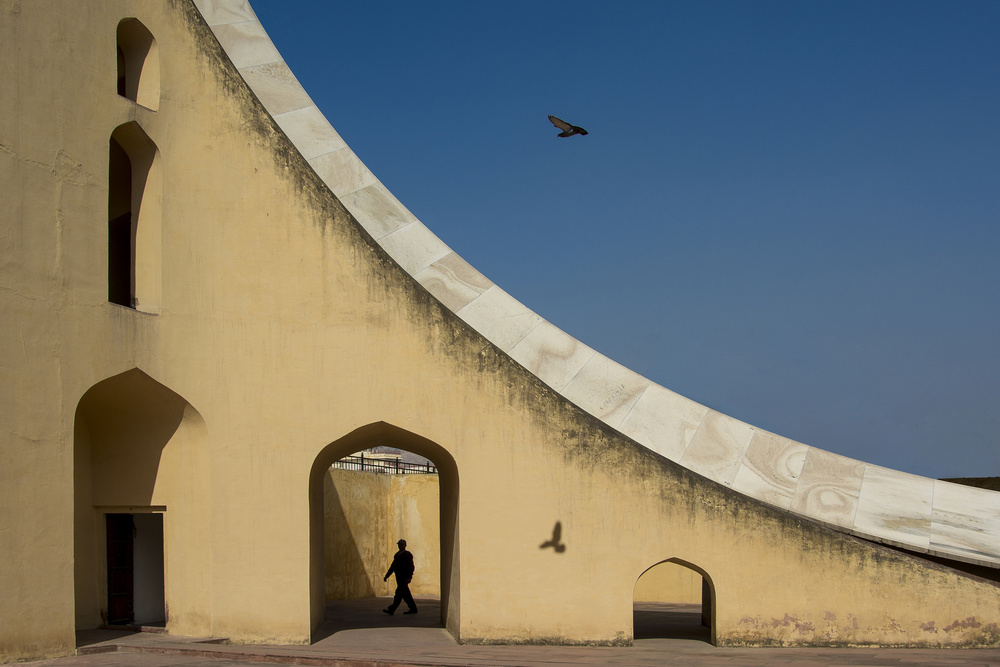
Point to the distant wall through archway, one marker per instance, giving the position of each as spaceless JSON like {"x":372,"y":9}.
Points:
{"x":365,"y":513}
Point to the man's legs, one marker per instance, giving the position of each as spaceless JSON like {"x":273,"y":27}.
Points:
{"x":391,"y":609}
{"x":403,"y":590}
{"x":402,"y":595}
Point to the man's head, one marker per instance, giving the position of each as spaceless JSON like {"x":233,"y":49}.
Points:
{"x":401,"y":544}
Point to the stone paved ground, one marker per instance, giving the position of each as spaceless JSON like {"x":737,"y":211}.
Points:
{"x":357,"y":634}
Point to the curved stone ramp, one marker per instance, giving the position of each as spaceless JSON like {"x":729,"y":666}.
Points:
{"x":916,"y":513}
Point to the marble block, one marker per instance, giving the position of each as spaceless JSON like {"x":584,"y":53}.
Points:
{"x":343,"y":171}
{"x":246,"y":44}
{"x":414,"y":246}
{"x":664,"y":421}
{"x":828,"y":488}
{"x":221,"y":12}
{"x":377,"y":210}
{"x":966,"y":520}
{"x":309,"y":131}
{"x":606,"y":389}
{"x":716,"y":450}
{"x":895,"y":507}
{"x":771,"y":469}
{"x":453,"y":281}
{"x":551,"y":354}
{"x":500,"y":317}
{"x":276,"y":87}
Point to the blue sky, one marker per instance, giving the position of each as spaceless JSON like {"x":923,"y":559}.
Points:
{"x":787,"y":211}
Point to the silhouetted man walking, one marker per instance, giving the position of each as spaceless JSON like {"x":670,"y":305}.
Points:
{"x":402,"y":565}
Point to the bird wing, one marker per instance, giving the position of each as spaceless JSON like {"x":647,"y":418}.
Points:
{"x":561,"y":124}
{"x":579,"y":130}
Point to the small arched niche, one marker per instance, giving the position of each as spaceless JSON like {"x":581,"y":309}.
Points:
{"x":134,"y":239}
{"x":674,"y":599}
{"x":138,"y":64}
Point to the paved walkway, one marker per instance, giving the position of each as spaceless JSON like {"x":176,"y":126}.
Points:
{"x":358,"y":634}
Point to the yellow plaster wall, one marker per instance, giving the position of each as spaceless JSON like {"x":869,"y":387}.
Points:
{"x":365,"y":514}
{"x":414,"y":508}
{"x":669,"y":582}
{"x":289,"y":338}
{"x":356,"y":530}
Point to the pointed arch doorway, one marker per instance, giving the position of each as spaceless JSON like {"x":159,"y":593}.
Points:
{"x":386,"y":435}
{"x":141,"y":524}
{"x":674,"y":599}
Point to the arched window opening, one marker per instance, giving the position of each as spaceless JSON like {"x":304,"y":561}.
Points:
{"x":120,"y":255}
{"x":122,"y":88}
{"x":673,"y":600}
{"x":367,"y":493}
{"x":134,"y":243}
{"x":138,"y":64}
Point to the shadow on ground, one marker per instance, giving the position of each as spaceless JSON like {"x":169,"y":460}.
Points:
{"x":656,"y":620}
{"x":366,"y":613}
{"x":91,"y":637}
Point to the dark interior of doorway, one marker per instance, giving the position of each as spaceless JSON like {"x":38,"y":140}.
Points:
{"x":135,"y":570}
{"x":664,"y":620}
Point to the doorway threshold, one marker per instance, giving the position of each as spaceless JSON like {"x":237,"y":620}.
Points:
{"x":160,"y":628}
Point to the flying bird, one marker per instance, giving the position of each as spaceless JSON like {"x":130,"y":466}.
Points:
{"x":567,"y":129}
{"x":558,"y":546}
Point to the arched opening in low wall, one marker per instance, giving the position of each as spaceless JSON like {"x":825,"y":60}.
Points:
{"x":358,"y":577}
{"x":674,"y":599}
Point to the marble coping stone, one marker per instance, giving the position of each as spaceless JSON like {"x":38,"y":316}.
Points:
{"x":222,"y":12}
{"x":455,"y":282}
{"x":311,"y":133}
{"x":415,"y":247}
{"x":895,"y":507}
{"x":500,"y":317}
{"x":881,"y":504}
{"x":828,"y":488}
{"x":606,"y":389}
{"x":276,"y":87}
{"x":246,"y":44}
{"x":664,"y":421}
{"x":551,"y":354}
{"x":771,"y":468}
{"x":967,"y":520}
{"x":718,"y":447}
{"x":377,"y":210}
{"x":343,"y":171}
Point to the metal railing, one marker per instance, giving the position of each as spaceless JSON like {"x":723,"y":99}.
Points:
{"x":388,"y":466}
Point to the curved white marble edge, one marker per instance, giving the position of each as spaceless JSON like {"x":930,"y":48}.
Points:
{"x":916,"y":513}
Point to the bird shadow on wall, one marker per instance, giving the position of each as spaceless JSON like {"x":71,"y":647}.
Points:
{"x":557,"y":545}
